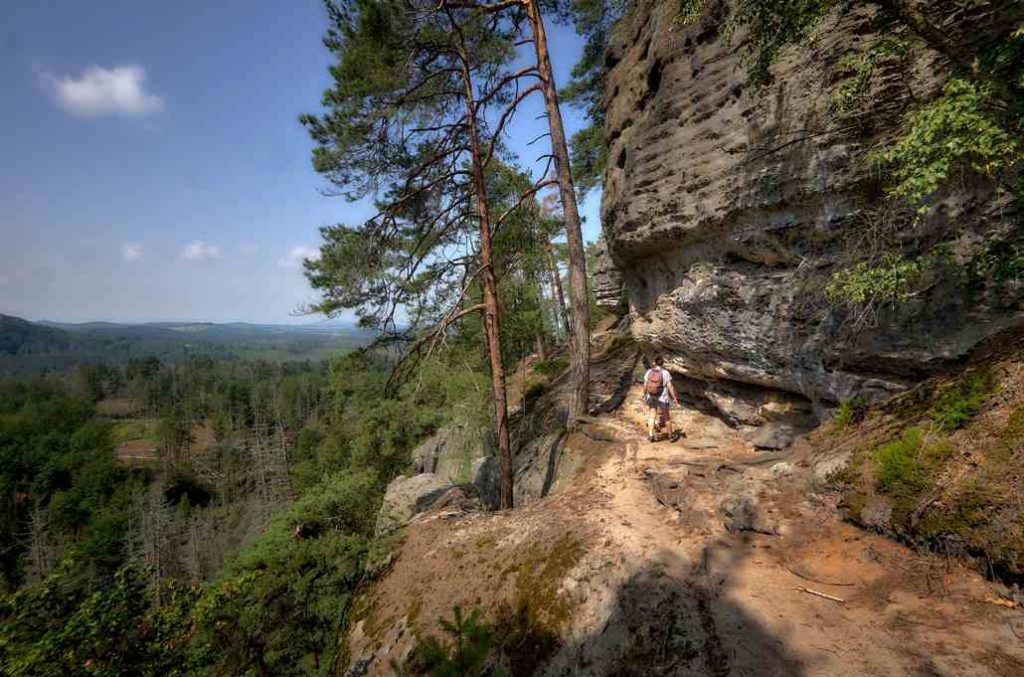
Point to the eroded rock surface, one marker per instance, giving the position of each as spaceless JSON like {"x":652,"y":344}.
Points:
{"x":406,"y":497}
{"x":726,"y":209}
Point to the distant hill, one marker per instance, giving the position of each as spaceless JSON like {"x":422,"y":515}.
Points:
{"x":27,"y":347}
{"x":18,"y":336}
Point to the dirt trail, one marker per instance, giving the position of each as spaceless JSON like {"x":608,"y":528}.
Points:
{"x":689,"y":558}
{"x":740,"y":542}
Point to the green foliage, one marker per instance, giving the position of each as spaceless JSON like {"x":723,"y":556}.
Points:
{"x":124,"y":431}
{"x":965,"y":503}
{"x":957,"y":404}
{"x":959,"y":131}
{"x":521,"y":247}
{"x":471,"y":642}
{"x":174,"y":431}
{"x":594,"y":20}
{"x":859,"y":67}
{"x":896,"y":467}
{"x":394,"y":129}
{"x":589,"y":150}
{"x":282,"y":601}
{"x":891,"y":281}
{"x":772,"y":25}
{"x":966,"y":516}
{"x":60,"y":628}
{"x":996,"y":262}
{"x":55,"y":457}
{"x":690,"y":10}
{"x":551,"y":366}
{"x":97,"y":353}
{"x":850,"y":411}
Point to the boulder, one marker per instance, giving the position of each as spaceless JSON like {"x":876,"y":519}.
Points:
{"x":406,"y":497}
{"x":447,"y":452}
{"x":459,"y":500}
{"x":773,"y":435}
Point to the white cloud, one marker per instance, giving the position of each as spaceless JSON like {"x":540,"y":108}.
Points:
{"x":296,"y":255}
{"x":103,"y":91}
{"x":248,"y":249}
{"x":131,"y":252}
{"x":197,"y":250}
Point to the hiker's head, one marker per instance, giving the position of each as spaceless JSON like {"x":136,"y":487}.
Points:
{"x":660,"y":361}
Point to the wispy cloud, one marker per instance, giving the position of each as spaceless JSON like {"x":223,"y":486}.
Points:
{"x":131,"y":252}
{"x":197,"y":250}
{"x":103,"y":91}
{"x":248,"y":249}
{"x":296,"y":255}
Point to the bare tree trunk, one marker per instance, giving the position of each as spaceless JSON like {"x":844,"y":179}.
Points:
{"x":156,"y":539}
{"x":579,"y":337}
{"x":539,"y":347}
{"x":492,"y":318}
{"x":561,"y":314}
{"x":40,"y":550}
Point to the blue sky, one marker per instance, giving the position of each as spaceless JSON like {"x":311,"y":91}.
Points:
{"x":153,"y":166}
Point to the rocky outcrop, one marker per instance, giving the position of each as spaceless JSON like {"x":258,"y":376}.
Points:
{"x":607,"y":280}
{"x":406,"y":497}
{"x":726,"y":208}
{"x":452,"y":456}
{"x":451,"y":453}
{"x":542,"y":460}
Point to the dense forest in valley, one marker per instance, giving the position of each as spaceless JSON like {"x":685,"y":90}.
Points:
{"x":175,"y":516}
{"x":31,"y":347}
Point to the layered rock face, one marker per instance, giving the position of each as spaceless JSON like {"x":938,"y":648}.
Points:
{"x":726,"y":209}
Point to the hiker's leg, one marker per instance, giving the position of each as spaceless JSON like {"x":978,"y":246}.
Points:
{"x":667,"y":413}
{"x":652,"y":417}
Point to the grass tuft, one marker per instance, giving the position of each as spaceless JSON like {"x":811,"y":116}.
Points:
{"x":956,"y":404}
{"x":850,"y":411}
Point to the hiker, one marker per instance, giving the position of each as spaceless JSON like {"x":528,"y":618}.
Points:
{"x":658,"y":393}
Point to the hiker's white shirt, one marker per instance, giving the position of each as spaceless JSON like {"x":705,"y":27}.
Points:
{"x":666,"y":378}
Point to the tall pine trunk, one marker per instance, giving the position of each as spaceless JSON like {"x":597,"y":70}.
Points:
{"x":491,"y":313}
{"x":579,"y":336}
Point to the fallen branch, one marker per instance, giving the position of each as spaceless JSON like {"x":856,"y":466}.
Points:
{"x":820,"y":594}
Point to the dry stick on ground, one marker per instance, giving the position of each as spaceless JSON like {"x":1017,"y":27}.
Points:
{"x":820,"y":594}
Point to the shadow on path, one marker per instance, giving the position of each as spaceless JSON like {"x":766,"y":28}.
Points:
{"x":675,"y":618}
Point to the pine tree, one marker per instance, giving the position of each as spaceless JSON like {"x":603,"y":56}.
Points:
{"x":406,"y":123}
{"x":523,"y":20}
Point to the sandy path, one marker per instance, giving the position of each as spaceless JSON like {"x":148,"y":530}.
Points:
{"x":735,"y":594}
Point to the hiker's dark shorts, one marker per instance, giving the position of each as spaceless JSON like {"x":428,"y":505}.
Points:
{"x":654,"y":403}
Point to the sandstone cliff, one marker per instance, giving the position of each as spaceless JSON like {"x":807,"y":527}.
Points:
{"x":727,"y":207}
